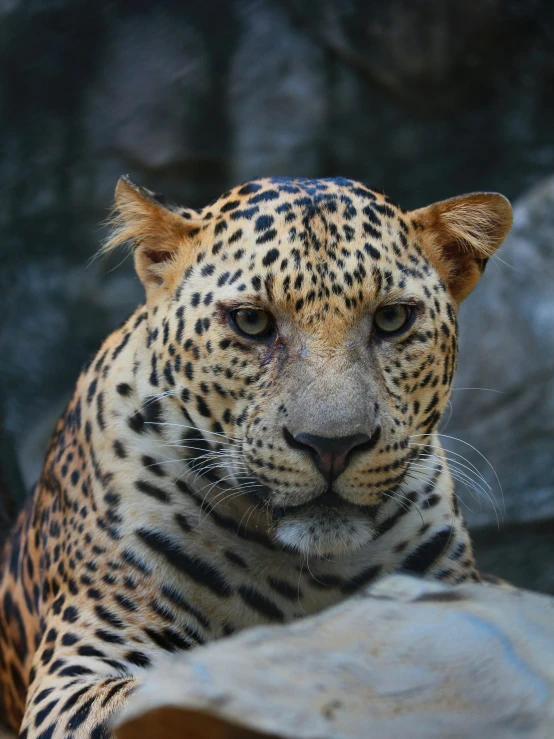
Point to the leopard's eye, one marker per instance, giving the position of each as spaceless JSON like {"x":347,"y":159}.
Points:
{"x":391,"y":319}
{"x":252,"y":322}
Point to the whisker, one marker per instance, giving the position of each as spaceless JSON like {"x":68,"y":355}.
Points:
{"x":454,"y":438}
{"x":196,"y":428}
{"x":454,"y":467}
{"x":464,"y":479}
{"x":448,"y":458}
{"x":486,"y":389}
{"x":441,"y":490}
{"x":229,"y":497}
{"x":406,"y":502}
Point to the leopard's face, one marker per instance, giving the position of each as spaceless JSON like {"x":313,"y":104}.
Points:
{"x":310,"y":336}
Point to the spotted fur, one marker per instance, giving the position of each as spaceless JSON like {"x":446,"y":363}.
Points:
{"x":175,"y":506}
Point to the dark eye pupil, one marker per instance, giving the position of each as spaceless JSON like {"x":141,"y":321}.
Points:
{"x":252,"y":316}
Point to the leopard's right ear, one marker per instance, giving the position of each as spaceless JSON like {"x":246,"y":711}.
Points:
{"x":162,"y":239}
{"x":460,"y":234}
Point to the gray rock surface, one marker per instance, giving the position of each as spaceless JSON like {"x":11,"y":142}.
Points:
{"x":410,"y":659}
{"x":519,"y":553}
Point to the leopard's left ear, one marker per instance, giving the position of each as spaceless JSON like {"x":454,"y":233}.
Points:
{"x":460,"y":234}
{"x":162,"y":238}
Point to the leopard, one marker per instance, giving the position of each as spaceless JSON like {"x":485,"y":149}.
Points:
{"x":255,"y":443}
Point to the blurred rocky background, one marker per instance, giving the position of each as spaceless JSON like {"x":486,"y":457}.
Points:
{"x":422,"y":99}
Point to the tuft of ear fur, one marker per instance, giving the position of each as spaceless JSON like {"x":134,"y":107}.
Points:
{"x":158,"y":235}
{"x":460,"y":234}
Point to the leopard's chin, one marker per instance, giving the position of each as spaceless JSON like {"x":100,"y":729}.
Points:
{"x":318,"y":530}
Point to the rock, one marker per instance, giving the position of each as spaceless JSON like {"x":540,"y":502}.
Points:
{"x":411,"y":658}
{"x":277,"y":105}
{"x":519,"y":553}
{"x":45,"y":340}
{"x":424,"y":54}
{"x":432,"y":99}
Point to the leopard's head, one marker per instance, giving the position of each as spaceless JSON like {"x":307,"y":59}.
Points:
{"x":306,"y":330}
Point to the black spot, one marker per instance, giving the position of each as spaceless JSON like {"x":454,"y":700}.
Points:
{"x":81,"y":715}
{"x":131,"y":558}
{"x":72,"y":700}
{"x":198,"y":569}
{"x":153,"y":415}
{"x":264,"y":197}
{"x":202,"y":407}
{"x":371,"y":231}
{"x":260,"y":603}
{"x":108,"y":637}
{"x":389,"y":522}
{"x":271,"y":257}
{"x":264,"y":239}
{"x":70,"y":615}
{"x":136,"y":422}
{"x":168,"y":639}
{"x":100,"y":731}
{"x":43,"y":714}
{"x":137,"y":658}
{"x":75,"y":671}
{"x":222,"y":279}
{"x":151,"y":464}
{"x":152,"y":490}
{"x":119,"y":348}
{"x":91,"y":390}
{"x":426,"y":554}
{"x":47,"y":656}
{"x":119,"y":685}
{"x":247,"y":213}
{"x":292,"y":592}
{"x":233,"y":238}
{"x":231,"y":205}
{"x":263,"y":223}
{"x":361,"y":579}
{"x":236,"y":559}
{"x":108,"y":617}
{"x":178,"y":600}
{"x":42,"y":695}
{"x":183,"y":522}
{"x":249,"y":188}
{"x":372,"y":251}
{"x":87,"y":650}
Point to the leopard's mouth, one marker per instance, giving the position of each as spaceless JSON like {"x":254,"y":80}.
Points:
{"x":324,"y":503}
{"x":327,"y":525}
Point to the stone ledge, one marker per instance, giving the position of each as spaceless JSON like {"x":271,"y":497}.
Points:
{"x":409,"y":658}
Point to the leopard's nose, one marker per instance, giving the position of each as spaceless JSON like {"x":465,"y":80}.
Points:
{"x":331,"y":454}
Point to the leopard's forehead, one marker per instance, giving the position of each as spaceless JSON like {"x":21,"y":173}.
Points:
{"x":260,"y":203}
{"x":300,"y":191}
{"x":332,"y":243}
